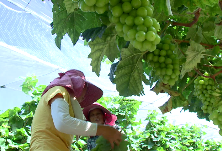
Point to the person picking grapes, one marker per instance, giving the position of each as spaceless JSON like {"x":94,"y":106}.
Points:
{"x":58,"y":116}
{"x":96,"y":113}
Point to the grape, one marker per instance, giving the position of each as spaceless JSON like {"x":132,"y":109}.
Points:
{"x":122,"y":18}
{"x":150,"y":56}
{"x":119,"y":27}
{"x":129,"y":20}
{"x":150,"y":36}
{"x":145,"y":2}
{"x":137,"y":44}
{"x":131,"y":34}
{"x":90,"y":2}
{"x":163,"y":52}
{"x":155,"y":58}
{"x":101,"y":10}
{"x":140,"y":36}
{"x":136,"y":3}
{"x":142,"y":11}
{"x":149,"y":11}
{"x":114,"y":2}
{"x":138,"y":20}
{"x":148,"y":22}
{"x":114,"y":19}
{"x":117,"y":11}
{"x":152,"y":29}
{"x":156,"y":52}
{"x":133,"y":13}
{"x":84,"y":7}
{"x":166,"y":46}
{"x":101,"y":3}
{"x":126,"y":28}
{"x":161,"y":59}
{"x":157,"y":39}
{"x":147,"y":44}
{"x":141,"y":28}
{"x":127,"y":7}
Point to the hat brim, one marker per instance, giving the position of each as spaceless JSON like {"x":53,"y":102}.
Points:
{"x":93,"y":93}
{"x":109,"y":117}
{"x":91,"y":107}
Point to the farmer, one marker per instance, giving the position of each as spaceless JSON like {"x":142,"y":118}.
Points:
{"x":96,"y":113}
{"x":58,"y":116}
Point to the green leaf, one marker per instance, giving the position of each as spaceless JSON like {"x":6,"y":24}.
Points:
{"x":107,"y":45}
{"x":129,"y":72}
{"x":93,"y":33}
{"x":2,"y":141}
{"x":160,"y":10}
{"x":218,"y":32}
{"x":194,"y":55}
{"x":195,"y":34}
{"x":70,"y":5}
{"x":218,"y":63}
{"x":73,"y":23}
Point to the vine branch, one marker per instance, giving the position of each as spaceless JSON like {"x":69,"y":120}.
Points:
{"x":212,"y":76}
{"x":203,"y":44}
{"x":220,"y":4}
{"x":195,"y":19}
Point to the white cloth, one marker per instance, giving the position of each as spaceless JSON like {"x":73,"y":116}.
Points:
{"x":66,"y":124}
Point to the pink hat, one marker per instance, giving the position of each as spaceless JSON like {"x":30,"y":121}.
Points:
{"x":110,"y":118}
{"x":74,"y":81}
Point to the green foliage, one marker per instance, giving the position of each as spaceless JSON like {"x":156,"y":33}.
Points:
{"x":194,"y":25}
{"x":104,"y":145}
{"x":160,"y":135}
{"x":100,"y":47}
{"x":194,"y":55}
{"x":129,"y":72}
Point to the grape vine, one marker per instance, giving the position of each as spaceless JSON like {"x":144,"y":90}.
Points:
{"x":168,"y":45}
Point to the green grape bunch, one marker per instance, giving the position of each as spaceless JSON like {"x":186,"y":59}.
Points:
{"x":203,"y":90}
{"x":207,"y":91}
{"x":133,"y":21}
{"x":104,"y":145}
{"x":98,"y":6}
{"x":164,"y":61}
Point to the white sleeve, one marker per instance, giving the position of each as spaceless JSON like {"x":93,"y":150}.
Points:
{"x":66,"y":124}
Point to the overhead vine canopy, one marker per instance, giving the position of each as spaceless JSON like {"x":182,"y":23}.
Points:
{"x":172,"y":45}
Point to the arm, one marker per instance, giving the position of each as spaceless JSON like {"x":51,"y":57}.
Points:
{"x":66,"y":124}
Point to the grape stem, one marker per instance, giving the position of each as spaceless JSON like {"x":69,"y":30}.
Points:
{"x":186,"y":41}
{"x":212,"y":76}
{"x":195,"y":19}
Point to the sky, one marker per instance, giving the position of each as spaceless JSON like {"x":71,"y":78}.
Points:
{"x":27,"y":47}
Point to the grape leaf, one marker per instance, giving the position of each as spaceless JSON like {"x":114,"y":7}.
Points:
{"x":194,"y":55}
{"x":208,"y":38}
{"x":73,"y":23}
{"x":93,"y":33}
{"x":129,"y":72}
{"x":107,"y":45}
{"x":218,"y":63}
{"x":160,"y":10}
{"x":218,"y":32}
{"x":195,"y":34}
{"x":70,"y":5}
